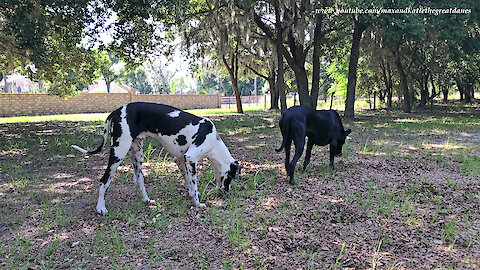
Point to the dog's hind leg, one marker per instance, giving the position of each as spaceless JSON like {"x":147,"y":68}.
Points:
{"x":180,"y":161}
{"x":308,"y":153}
{"x":136,"y":156}
{"x":299,"y":144}
{"x":288,"y":148}
{"x":117,"y":154}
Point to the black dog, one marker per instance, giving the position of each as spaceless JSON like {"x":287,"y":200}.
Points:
{"x":322,"y":127}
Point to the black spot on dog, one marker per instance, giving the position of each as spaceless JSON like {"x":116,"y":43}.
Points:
{"x":181,"y":140}
{"x":117,"y":127}
{"x":204,"y":129}
{"x":111,"y":160}
{"x":193,"y":168}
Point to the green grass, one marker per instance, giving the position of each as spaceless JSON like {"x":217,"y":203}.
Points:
{"x":356,"y":216}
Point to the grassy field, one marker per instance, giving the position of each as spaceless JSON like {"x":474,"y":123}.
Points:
{"x":405,"y":195}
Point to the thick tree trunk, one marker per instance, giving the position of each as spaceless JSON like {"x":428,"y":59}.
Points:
{"x":468,"y":92}
{"x":273,"y":92}
{"x":302,"y":85}
{"x":464,"y":89}
{"x":407,"y":106}
{"x":424,"y":90}
{"x":352,"y":69}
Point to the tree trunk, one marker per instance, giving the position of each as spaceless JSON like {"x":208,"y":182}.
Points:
{"x":273,"y":92}
{"x":302,"y":88}
{"x":331,"y":100}
{"x":390,"y":86}
{"x":317,"y":35}
{"x":352,"y":69}
{"x":280,"y":69}
{"x":237,"y":94}
{"x":297,"y":53}
{"x":460,"y":89}
{"x":387,"y":79}
{"x":281,"y":84}
{"x":407,"y":106}
{"x":470,"y":87}
{"x":5,"y":80}
{"x":434,"y":92}
{"x":445,"y":92}
{"x":233,"y":72}
{"x":423,"y":89}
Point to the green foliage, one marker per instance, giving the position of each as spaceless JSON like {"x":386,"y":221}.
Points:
{"x":338,"y":70}
{"x":137,"y":79}
{"x":43,"y":39}
{"x":178,"y":86}
{"x":58,"y":42}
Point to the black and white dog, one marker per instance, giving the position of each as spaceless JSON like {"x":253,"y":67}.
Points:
{"x":187,"y":137}
{"x":322,"y":127}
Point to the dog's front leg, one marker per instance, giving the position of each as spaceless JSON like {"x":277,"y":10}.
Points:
{"x":191,"y":181}
{"x":332,"y":155}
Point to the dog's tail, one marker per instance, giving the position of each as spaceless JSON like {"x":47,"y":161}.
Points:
{"x":285,"y":132}
{"x":106,"y":132}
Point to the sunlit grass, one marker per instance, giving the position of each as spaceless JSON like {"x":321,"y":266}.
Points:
{"x":103,"y":116}
{"x":59,"y":117}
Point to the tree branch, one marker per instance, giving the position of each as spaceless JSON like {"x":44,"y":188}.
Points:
{"x":257,"y":73}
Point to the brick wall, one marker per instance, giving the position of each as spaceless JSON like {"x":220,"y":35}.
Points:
{"x":44,"y":104}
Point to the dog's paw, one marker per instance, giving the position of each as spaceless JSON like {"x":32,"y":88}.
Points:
{"x":201,"y":205}
{"x":102,"y":210}
{"x":152,"y":202}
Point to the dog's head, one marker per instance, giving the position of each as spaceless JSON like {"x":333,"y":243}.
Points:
{"x":231,"y":173}
{"x":341,"y":142}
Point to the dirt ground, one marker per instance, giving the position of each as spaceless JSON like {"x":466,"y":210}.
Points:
{"x":405,"y":195}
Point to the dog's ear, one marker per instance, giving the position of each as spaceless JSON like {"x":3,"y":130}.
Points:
{"x":239,"y":168}
{"x":347,"y":132}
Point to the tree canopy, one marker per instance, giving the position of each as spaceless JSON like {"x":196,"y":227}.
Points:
{"x":412,"y":50}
